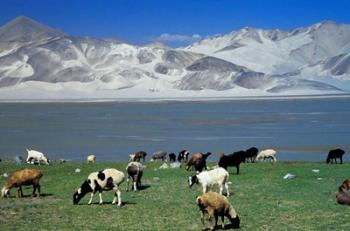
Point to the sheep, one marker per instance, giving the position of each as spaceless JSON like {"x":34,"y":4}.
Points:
{"x":198,"y":161}
{"x":104,"y":180}
{"x":23,"y":177}
{"x":217,"y":205}
{"x":267,"y":154}
{"x":334,"y":154}
{"x":183,"y":155}
{"x":159,"y":155}
{"x":234,"y":159}
{"x":134,"y":171}
{"x":218,"y":176}
{"x":343,"y":194}
{"x":36,"y":157}
{"x":91,"y":159}
{"x":172,"y":157}
{"x":137,"y":156}
{"x":251,"y":154}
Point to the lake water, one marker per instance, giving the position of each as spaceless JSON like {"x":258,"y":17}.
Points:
{"x":299,"y":129}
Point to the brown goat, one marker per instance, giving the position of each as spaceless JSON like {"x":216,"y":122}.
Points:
{"x":23,"y":177}
{"x":159,"y":155}
{"x":217,"y":205}
{"x":343,"y":194}
{"x":198,"y":160}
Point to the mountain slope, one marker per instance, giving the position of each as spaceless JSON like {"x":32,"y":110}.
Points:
{"x":311,"y":60}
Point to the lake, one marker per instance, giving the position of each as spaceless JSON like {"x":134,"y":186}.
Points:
{"x":299,"y":129}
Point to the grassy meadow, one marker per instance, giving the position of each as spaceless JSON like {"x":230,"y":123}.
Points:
{"x":262,"y":198}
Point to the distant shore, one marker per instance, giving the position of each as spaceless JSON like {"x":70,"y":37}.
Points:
{"x":174,"y":99}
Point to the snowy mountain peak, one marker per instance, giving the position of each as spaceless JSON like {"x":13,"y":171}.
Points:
{"x":24,"y":29}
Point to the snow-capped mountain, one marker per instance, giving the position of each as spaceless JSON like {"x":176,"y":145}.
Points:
{"x":38,"y":62}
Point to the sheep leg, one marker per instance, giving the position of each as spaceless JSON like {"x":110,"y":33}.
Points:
{"x":202,"y":219}
{"x":38,"y":189}
{"x":210,"y":218}
{"x":91,"y":196}
{"x":127,"y":183}
{"x":100,"y":195}
{"x":221,"y":189}
{"x":18,"y":192}
{"x":135,"y":186}
{"x":222,"y":222}
{"x":227,"y":192}
{"x":117,"y":195}
{"x":34,"y":189}
{"x":341,"y":160}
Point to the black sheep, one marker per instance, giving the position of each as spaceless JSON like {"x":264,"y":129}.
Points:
{"x":234,"y":159}
{"x":172,"y":157}
{"x":334,"y":154}
{"x":251,"y":154}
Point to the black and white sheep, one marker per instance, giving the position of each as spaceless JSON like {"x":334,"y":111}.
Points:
{"x":334,"y":154}
{"x":217,"y":205}
{"x":183,"y":155}
{"x":135,"y":172}
{"x":218,"y":176}
{"x":234,"y":159}
{"x":105,"y":180}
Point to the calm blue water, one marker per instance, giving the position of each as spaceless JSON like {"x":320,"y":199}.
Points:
{"x":300,"y":129}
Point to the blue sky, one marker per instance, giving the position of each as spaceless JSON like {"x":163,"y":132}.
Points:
{"x":175,"y":22}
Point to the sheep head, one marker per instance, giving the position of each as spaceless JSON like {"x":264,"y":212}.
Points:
{"x":192,"y":180}
{"x":80,"y":193}
{"x":5,"y":192}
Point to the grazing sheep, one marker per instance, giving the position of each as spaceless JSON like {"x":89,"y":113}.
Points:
{"x":137,"y":156}
{"x":218,"y":176}
{"x":91,"y":159}
{"x":217,"y":205}
{"x":134,"y":171}
{"x":172,"y":157}
{"x":198,"y":161}
{"x":251,"y":154}
{"x":334,"y":154}
{"x":105,"y":180}
{"x":267,"y":154}
{"x":36,"y":157}
{"x":234,"y":159}
{"x":343,"y":194}
{"x":159,"y":155}
{"x":183,"y":156}
{"x":23,"y":177}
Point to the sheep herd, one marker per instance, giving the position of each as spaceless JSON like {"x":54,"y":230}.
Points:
{"x":211,"y":203}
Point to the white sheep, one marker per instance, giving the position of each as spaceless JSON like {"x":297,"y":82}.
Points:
{"x":267,"y":154}
{"x":91,"y":159}
{"x":36,"y":157}
{"x":218,"y":176}
{"x":108,"y":179}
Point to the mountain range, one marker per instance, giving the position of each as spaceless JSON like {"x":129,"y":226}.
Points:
{"x":38,"y":62}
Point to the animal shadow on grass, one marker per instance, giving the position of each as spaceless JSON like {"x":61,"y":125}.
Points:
{"x":143,"y":187}
{"x":219,"y":227}
{"x":30,"y":195}
{"x":124,"y":203}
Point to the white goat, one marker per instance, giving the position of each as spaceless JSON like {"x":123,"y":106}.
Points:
{"x":91,"y":159}
{"x":267,"y":154}
{"x":108,"y":179}
{"x":35,"y":156}
{"x":218,"y":176}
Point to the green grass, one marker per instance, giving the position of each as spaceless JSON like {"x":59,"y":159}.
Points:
{"x":260,"y":195}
